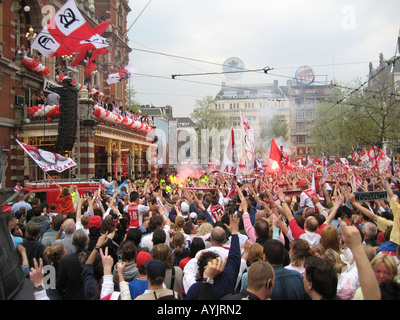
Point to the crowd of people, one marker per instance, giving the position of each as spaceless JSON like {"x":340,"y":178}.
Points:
{"x":110,"y":105}
{"x":291,"y":235}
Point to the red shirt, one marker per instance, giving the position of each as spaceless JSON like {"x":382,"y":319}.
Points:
{"x":133,"y":212}
{"x":66,"y":205}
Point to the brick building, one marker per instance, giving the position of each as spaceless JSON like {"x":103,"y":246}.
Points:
{"x":102,"y":149}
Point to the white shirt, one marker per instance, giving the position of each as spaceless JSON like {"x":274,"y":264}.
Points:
{"x":147,"y":240}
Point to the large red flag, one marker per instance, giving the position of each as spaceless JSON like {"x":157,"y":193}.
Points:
{"x":275,"y":153}
{"x":68,"y":32}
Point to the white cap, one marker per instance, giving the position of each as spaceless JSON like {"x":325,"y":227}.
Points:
{"x":184,"y":207}
{"x":193,"y":215}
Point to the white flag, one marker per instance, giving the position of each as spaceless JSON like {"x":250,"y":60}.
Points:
{"x":46,"y":160}
{"x":121,"y":75}
{"x":230,"y":165}
{"x":248,"y":136}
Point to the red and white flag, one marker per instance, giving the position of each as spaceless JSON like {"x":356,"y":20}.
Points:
{"x":67,"y":33}
{"x":230,"y":165}
{"x":372,"y":155}
{"x":121,"y":75}
{"x":345,"y":162}
{"x":248,"y":137}
{"x":356,"y":156}
{"x":383,"y":161}
{"x":275,"y":154}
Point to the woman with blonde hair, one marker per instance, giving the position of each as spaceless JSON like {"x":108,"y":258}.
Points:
{"x":385,"y":268}
{"x":348,"y":280}
{"x":256,"y":253}
{"x":299,"y":251}
{"x":330,"y":238}
{"x":179,"y":222}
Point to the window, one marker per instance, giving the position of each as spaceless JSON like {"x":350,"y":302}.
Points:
{"x":310,"y":101}
{"x":300,"y":114}
{"x":310,"y":113}
{"x":299,"y":139}
{"x":298,"y":101}
{"x":300,"y":126}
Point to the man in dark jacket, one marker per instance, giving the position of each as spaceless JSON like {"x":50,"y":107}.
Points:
{"x":225,"y":282}
{"x":260,"y":283}
{"x":42,"y":221}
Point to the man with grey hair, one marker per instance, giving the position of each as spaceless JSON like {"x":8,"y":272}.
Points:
{"x":370,"y":231}
{"x":67,"y":229}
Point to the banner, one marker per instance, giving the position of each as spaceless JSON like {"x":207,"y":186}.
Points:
{"x":248,"y":136}
{"x":372,"y":195}
{"x":67,"y":33}
{"x":229,"y":165}
{"x":48,"y":161}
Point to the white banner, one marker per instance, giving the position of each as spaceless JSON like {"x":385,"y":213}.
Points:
{"x":48,"y":161}
{"x":248,"y":136}
{"x":230,"y":166}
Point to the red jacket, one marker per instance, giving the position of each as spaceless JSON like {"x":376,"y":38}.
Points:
{"x":66,"y":205}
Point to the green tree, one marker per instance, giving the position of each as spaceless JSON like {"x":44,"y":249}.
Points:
{"x":206,"y":117}
{"x":364,"y":114}
{"x":276,"y":127}
{"x":131,"y":102}
{"x":208,"y":121}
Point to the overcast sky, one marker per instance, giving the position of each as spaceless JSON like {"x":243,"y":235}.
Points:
{"x":336,"y":38}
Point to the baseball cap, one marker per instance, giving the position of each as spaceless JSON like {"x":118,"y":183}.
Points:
{"x":193,"y":215}
{"x":95,"y":222}
{"x":155,"y":268}
{"x":184,"y":207}
{"x":141,"y":258}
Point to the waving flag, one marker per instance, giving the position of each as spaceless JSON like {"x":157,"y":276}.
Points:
{"x":258,"y":165}
{"x":229,"y":165}
{"x":355,"y":156}
{"x":67,"y":33}
{"x":372,"y":155}
{"x":248,"y":136}
{"x":47,"y":161}
{"x":121,"y":75}
{"x":383,"y":161}
{"x":275,"y":153}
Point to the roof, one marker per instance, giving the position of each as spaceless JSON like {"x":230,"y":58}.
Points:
{"x":256,"y":91}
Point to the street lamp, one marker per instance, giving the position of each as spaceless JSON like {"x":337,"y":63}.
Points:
{"x":30,"y":35}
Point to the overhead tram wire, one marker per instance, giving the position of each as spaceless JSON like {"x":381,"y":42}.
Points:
{"x":353,"y":105}
{"x":265,"y":70}
{"x":138,"y":16}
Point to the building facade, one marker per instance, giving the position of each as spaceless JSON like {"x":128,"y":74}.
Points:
{"x":102,"y":149}
{"x":293,"y":104}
